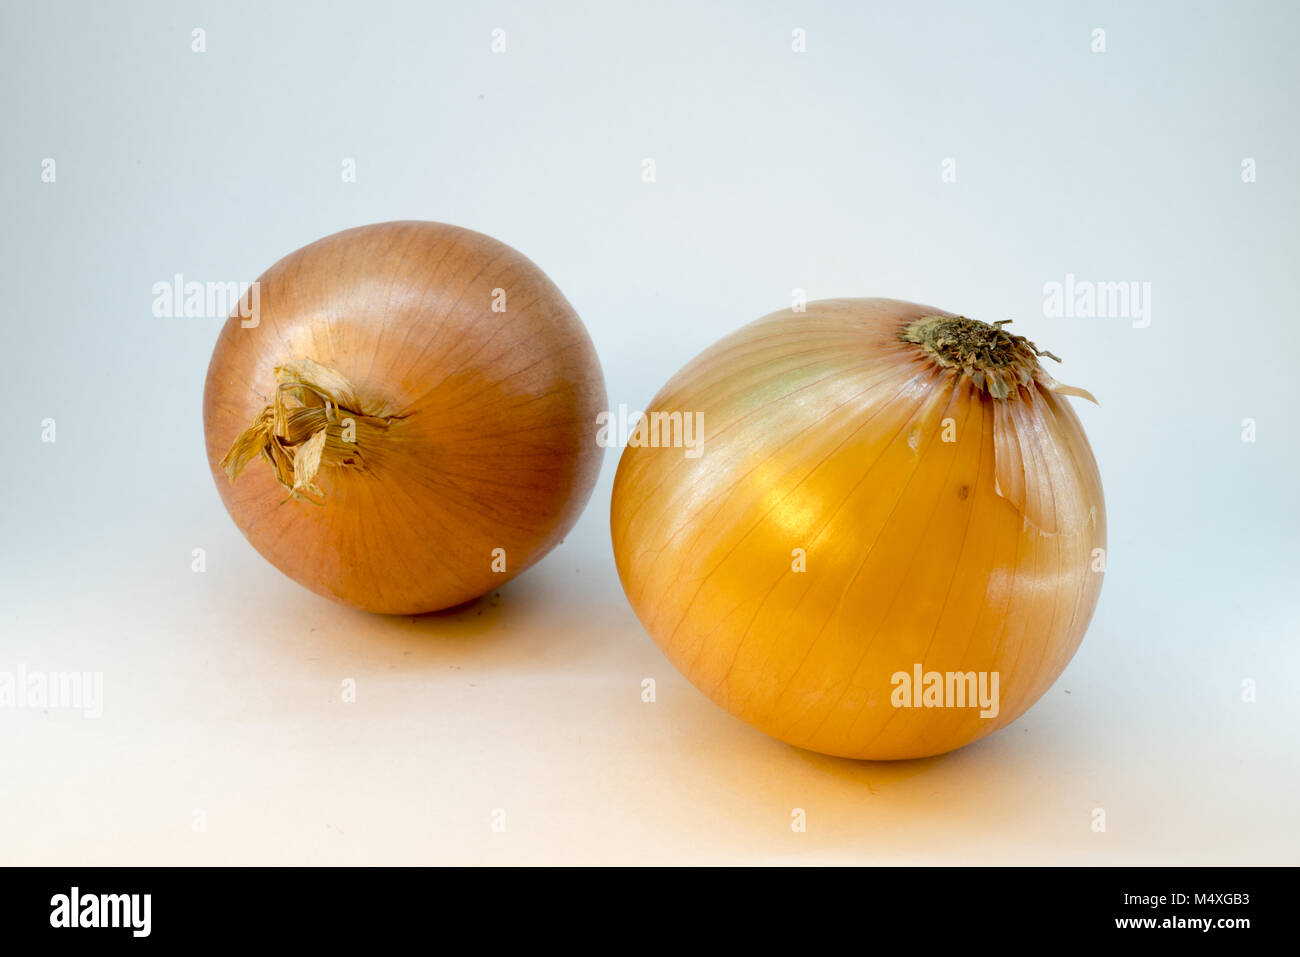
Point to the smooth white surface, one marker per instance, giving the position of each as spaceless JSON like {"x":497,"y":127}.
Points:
{"x":775,"y":171}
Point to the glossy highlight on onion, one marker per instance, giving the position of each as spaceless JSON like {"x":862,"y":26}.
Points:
{"x":886,"y":494}
{"x":405,"y":422}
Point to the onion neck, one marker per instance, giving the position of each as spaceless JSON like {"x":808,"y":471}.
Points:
{"x":994,"y":359}
{"x":315,"y":421}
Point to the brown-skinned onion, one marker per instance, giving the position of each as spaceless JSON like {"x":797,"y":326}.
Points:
{"x":406,"y":422}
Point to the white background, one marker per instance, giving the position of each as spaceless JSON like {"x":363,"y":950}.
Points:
{"x":775,"y":170}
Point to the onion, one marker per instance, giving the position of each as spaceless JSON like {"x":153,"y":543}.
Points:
{"x":422,"y":398}
{"x":886,"y":496}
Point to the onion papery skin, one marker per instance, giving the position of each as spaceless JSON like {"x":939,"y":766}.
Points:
{"x":823,"y":431}
{"x":488,"y":441}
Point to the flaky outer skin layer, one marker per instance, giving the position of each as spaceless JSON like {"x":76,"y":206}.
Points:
{"x":857,"y":511}
{"x":491,"y":444}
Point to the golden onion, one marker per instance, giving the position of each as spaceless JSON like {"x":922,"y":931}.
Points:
{"x":890,"y":540}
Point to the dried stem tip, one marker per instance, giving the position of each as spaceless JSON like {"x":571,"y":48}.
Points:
{"x":995,"y":360}
{"x":315,"y":420}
